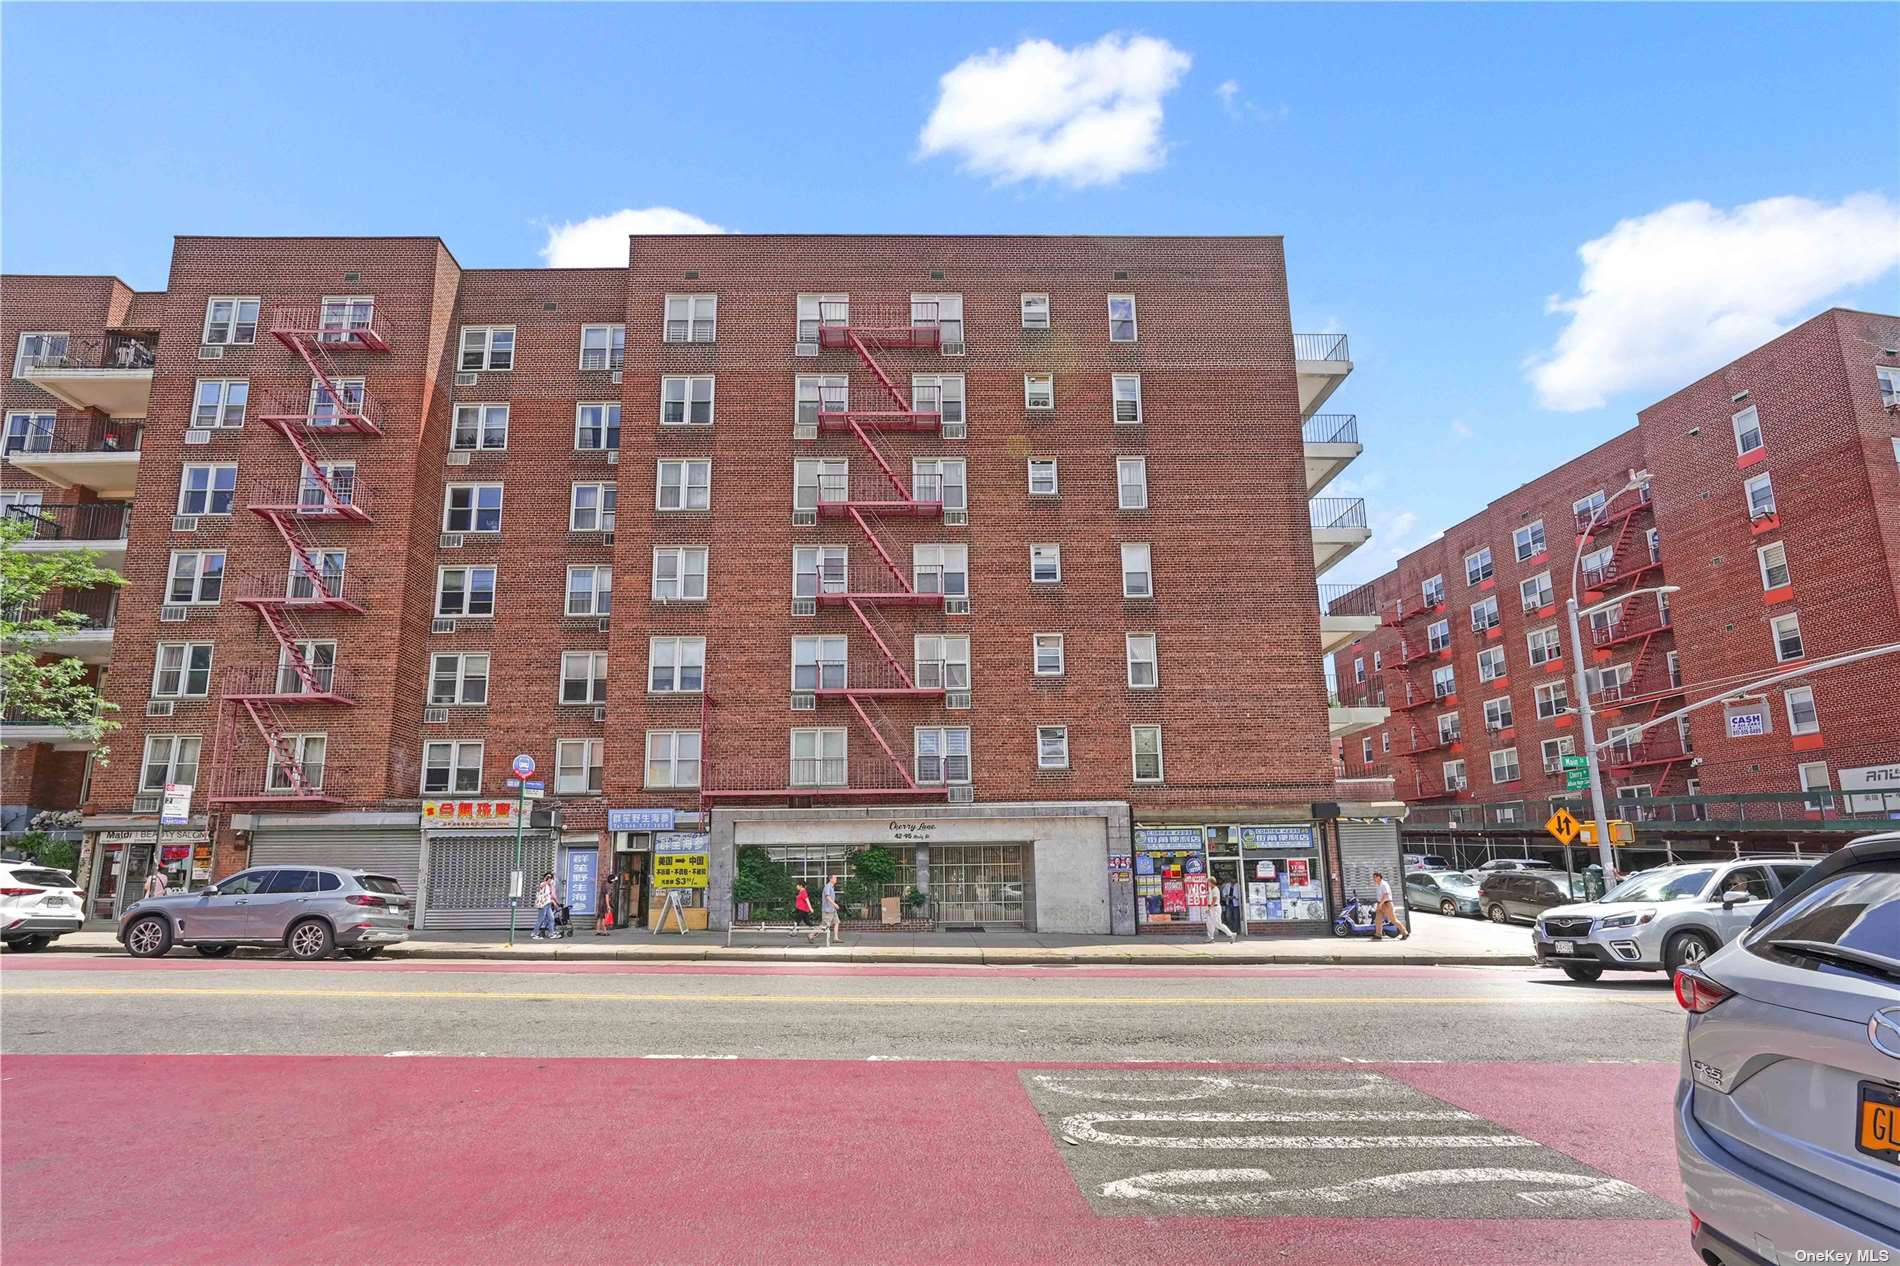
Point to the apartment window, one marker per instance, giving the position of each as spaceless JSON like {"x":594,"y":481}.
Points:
{"x":1444,"y":681}
{"x":1052,"y":747}
{"x":1814,"y":777}
{"x":1674,"y":662}
{"x":596,"y":427}
{"x":603,"y":346}
{"x":1144,"y":667}
{"x":1131,"y":483}
{"x":590,"y":591}
{"x":451,"y":767}
{"x":943,"y":755}
{"x":1478,"y":565}
{"x":1554,"y":751}
{"x":584,"y":677}
{"x":1546,"y":645}
{"x":1787,"y":631}
{"x":819,"y":663}
{"x":26,"y":503}
{"x":1121,"y":319}
{"x":488,"y":347}
{"x":578,"y":766}
{"x":675,"y":664}
{"x":673,"y":758}
{"x":1145,"y":744}
{"x":829,"y":390}
{"x":940,"y":479}
{"x":329,"y":405}
{"x":458,"y":679}
{"x":464,"y":591}
{"x":1050,"y":658}
{"x":197,"y":577}
{"x":342,"y":315}
{"x":1039,"y":391}
{"x":684,"y":485}
{"x":818,"y":569}
{"x":591,"y":507}
{"x":1433,"y":590}
{"x":1773,"y":559}
{"x":207,"y":490}
{"x":940,"y":392}
{"x":1448,"y":727}
{"x":471,"y":508}
{"x":1378,"y":660}
{"x":1042,"y":477}
{"x":1438,"y":635}
{"x":1536,"y":593}
{"x":230,"y":319}
{"x":1484,"y":615}
{"x":30,"y":432}
{"x":1889,"y":379}
{"x":170,"y":758}
{"x":479,"y":426}
{"x":1608,"y":682}
{"x":1454,"y":774}
{"x":41,"y":347}
{"x":1137,"y":571}
{"x":220,"y":402}
{"x":817,"y":312}
{"x":945,"y":314}
{"x":818,"y":481}
{"x":679,"y":573}
{"x":1802,"y":716}
{"x":1035,"y":312}
{"x":1586,"y":508}
{"x":1045,"y":564}
{"x":1498,"y":714}
{"x":1491,"y":663}
{"x":943,"y":569}
{"x":1761,"y":496}
{"x":1126,"y":392}
{"x":1528,"y":540}
{"x":321,"y":574}
{"x":692,"y":318}
{"x":1504,"y":765}
{"x":1596,"y":564}
{"x":182,"y":670}
{"x":1553,"y":699}
{"x":1365,"y":749}
{"x":941,"y":662}
{"x":1747,"y":426}
{"x":305,"y":767}
{"x":818,"y":758}
{"x":686,"y":401}
{"x":1359,"y":668}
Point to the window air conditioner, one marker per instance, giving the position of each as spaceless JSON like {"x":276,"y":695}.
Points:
{"x":184,"y":523}
{"x":467,"y":380}
{"x":173,"y":615}
{"x":158,"y":708}
{"x":211,"y":352}
{"x":435,"y":716}
{"x":458,"y":459}
{"x":804,"y":701}
{"x":451,"y":540}
{"x":442,"y":626}
{"x":197,"y":435}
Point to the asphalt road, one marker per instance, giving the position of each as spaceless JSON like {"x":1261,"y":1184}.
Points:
{"x":186,"y":1111}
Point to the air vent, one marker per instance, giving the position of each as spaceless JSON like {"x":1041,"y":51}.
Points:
{"x":467,"y":380}
{"x":435,"y":716}
{"x":804,"y":606}
{"x":600,"y":713}
{"x":955,"y":430}
{"x":158,"y":707}
{"x":350,"y":279}
{"x":458,"y":459}
{"x":197,"y":435}
{"x":606,"y":623}
{"x":617,"y":374}
{"x":174,"y":615}
{"x":613,"y":457}
{"x":962,"y":794}
{"x":442,"y":626}
{"x":208,"y":352}
{"x":804,"y":430}
{"x":956,"y":518}
{"x":804,"y":701}
{"x":956,"y":699}
{"x":956,"y":606}
{"x":804,"y":349}
{"x":184,"y":523}
{"x":451,"y":540}
{"x":804,"y":518}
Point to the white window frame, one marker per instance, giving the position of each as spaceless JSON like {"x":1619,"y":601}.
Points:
{"x":694,"y":311}
{"x":1438,"y":634}
{"x":467,"y":591}
{"x":941,"y":660}
{"x":952,"y":568}
{"x":196,"y":578}
{"x":689,"y":398}
{"x":1513,"y":771}
{"x":682,"y":556}
{"x":1143,"y":554}
{"x":1054,"y":643}
{"x":1139,"y":650}
{"x":326,"y":404}
{"x":1445,"y":675}
{"x":820,"y":661}
{"x":1743,"y":422}
{"x":1753,"y":484}
{"x":223,"y":408}
{"x":1529,"y":541}
{"x":1544,"y":645}
{"x":951,"y":396}
{"x":674,"y":761}
{"x":1133,"y":319}
{"x":1553,"y":699}
{"x":211,"y":491}
{"x":608,"y":426}
{"x":1449,"y":728}
{"x":693,"y":475}
{"x":814,"y":477}
{"x":457,"y":751}
{"x":1489,"y":656}
{"x":1039,"y":392}
{"x":1485,"y":570}
{"x":475,"y":510}
{"x":464,"y":662}
{"x":1776,"y":638}
{"x":1453,"y":772}
{"x":187,"y":651}
{"x":1803,"y":694}
{"x":946,"y":740}
{"x":1045,"y":734}
{"x":1499,"y":714}
{"x":487,"y":354}
{"x":1135,"y":735}
{"x":1048,"y":470}
{"x":1805,"y":774}
{"x":948,"y":322}
{"x":1490,"y":617}
{"x":1536,"y":587}
{"x":1124,"y":467}
{"x":592,"y":680}
{"x":479,"y":418}
{"x":1365,"y":750}
{"x":679,"y":657}
{"x":234,"y":322}
{"x":1887,"y":377}
{"x":30,"y":431}
{"x":810,"y":316}
{"x":300,"y":746}
{"x":1037,"y":312}
{"x":45,"y":353}
{"x":831,"y":771}
{"x":953,"y":480}
{"x":830,"y":569}
{"x":1553,"y":750}
{"x":174,"y":767}
{"x":588,"y":756}
{"x":601,"y":516}
{"x":1762,"y":553}
{"x":1045,"y":564}
{"x":599,"y":593}
{"x":613,"y":349}
{"x":1125,"y":390}
{"x":1432,"y":589}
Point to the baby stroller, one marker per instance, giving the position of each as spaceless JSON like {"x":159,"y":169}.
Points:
{"x":563,"y":926}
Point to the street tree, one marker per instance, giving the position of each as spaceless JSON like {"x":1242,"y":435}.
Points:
{"x":48,"y":689}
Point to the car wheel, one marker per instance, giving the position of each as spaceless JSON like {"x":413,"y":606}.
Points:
{"x":149,"y":937}
{"x":310,"y":940}
{"x":1686,"y":949}
{"x":217,"y":951}
{"x":1448,"y":907}
{"x":29,"y":944}
{"x":1583,"y":972}
{"x":1497,"y":913}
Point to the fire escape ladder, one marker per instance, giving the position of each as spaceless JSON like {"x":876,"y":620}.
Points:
{"x":270,"y":724}
{"x":878,"y":627}
{"x":870,"y":446}
{"x":870,"y":362}
{"x":883,"y":733}
{"x":866,"y":522}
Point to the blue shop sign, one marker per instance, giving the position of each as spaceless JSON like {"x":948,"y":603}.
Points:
{"x":1168,"y":839}
{"x":640,"y":819}
{"x":583,"y":869}
{"x":1289,"y":837}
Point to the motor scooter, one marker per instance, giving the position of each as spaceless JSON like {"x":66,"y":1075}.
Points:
{"x":1355,"y":919}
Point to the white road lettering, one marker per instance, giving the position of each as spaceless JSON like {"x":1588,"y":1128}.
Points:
{"x":1183,"y":1087}
{"x":1162,"y":1188}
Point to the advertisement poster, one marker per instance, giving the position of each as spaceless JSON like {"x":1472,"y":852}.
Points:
{"x":1119,"y":867}
{"x":1173,"y":896}
{"x":1263,"y":869}
{"x":1298,"y":872}
{"x":1258,"y":903}
{"x":1195,"y":864}
{"x":1199,"y":892}
{"x":1144,"y":863}
{"x":681,"y":860}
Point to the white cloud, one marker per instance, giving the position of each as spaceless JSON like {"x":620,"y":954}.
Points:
{"x":1669,"y":296}
{"x":1244,"y":109}
{"x":1085,"y":116}
{"x":601,"y":241}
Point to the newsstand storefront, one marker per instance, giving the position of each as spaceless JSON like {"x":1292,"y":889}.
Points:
{"x":1269,"y":880}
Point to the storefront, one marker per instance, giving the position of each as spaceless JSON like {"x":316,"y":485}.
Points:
{"x":119,"y":861}
{"x":1267,"y":879}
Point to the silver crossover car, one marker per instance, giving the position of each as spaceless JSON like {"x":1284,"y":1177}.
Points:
{"x":308,"y":910}
{"x":1788,"y":1107}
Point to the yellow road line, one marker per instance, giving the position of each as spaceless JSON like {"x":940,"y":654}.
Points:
{"x":886,"y":1000}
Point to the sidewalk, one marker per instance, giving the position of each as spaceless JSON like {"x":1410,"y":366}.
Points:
{"x":1436,"y":941}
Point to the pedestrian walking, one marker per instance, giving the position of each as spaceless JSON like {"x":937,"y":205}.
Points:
{"x":801,"y":906}
{"x":155,"y":885}
{"x":1384,"y":913}
{"x":544,"y":898}
{"x":1215,"y":925}
{"x":828,"y":910}
{"x":604,"y":923}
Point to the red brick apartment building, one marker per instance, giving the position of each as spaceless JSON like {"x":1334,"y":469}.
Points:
{"x":1773,"y":508}
{"x":998,"y":552}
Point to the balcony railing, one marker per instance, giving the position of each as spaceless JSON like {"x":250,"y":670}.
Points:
{"x":1331,"y":428}
{"x":100,"y":435}
{"x":320,"y":411}
{"x":324,"y":781}
{"x":1332,"y":513}
{"x":305,"y":497}
{"x":929,"y":585}
{"x":303,"y":591}
{"x":836,"y":406}
{"x":870,"y":774}
{"x":335,"y":684}
{"x":918,"y":323}
{"x":923,"y":494}
{"x":88,"y":521}
{"x":1347,"y":600}
{"x":864,"y":674}
{"x":96,"y":608}
{"x":115,"y":351}
{"x":1621,"y":508}
{"x":342,"y":326}
{"x":1320,"y":347}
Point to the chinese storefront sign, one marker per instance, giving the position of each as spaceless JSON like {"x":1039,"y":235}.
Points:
{"x":681,"y":860}
{"x":1288,"y":837}
{"x":582,"y":869}
{"x":1167,"y":838}
{"x":640,"y":819}
{"x":438,"y":813}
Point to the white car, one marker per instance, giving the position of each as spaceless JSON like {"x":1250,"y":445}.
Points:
{"x":38,"y":905}
{"x":1662,"y":919}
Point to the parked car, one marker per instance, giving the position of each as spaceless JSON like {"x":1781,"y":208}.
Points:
{"x":309,"y":910}
{"x":1788,"y":1107}
{"x":1446,"y":891}
{"x":1426,"y":861}
{"x":1508,"y":896}
{"x":38,"y":905}
{"x":1663,"y":918}
{"x":1507,"y":863}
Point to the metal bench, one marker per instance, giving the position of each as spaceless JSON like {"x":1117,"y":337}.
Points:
{"x":793,"y":929}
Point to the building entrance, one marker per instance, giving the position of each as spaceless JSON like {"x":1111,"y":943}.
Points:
{"x":977,"y":885}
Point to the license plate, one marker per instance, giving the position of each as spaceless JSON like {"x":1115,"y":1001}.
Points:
{"x":1566,"y":947}
{"x":1879,"y":1132}
{"x":55,"y":901}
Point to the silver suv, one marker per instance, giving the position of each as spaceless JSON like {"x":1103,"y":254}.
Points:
{"x":1662,"y":919}
{"x":309,"y":910}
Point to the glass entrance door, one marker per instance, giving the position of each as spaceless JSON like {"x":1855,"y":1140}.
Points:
{"x":978,"y":884}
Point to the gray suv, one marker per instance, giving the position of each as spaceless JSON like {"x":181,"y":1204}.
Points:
{"x":309,"y":910}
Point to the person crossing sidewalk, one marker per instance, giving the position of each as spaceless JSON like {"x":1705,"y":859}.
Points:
{"x":1385,"y":914}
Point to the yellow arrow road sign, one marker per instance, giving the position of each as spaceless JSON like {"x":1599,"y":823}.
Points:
{"x":1563,"y":826}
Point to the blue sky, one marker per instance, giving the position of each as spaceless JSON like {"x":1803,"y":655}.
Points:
{"x":1434,"y":170}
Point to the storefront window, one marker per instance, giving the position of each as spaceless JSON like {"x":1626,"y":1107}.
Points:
{"x":1284,"y":882}
{"x":1169,"y":862}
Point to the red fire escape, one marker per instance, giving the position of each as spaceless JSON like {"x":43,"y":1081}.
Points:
{"x":326,"y":492}
{"x":877,"y":669}
{"x":1631,"y":556}
{"x":1651,"y":689}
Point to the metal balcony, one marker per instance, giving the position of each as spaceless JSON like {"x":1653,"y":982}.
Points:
{"x":879,"y":326}
{"x":336,"y":326}
{"x":865,"y":676}
{"x":869,"y":777}
{"x":870,"y":405}
{"x":98,"y":454}
{"x":876,"y":584}
{"x":320,"y":412}
{"x":305,"y":499}
{"x":259,"y":781}
{"x":873,"y":493}
{"x":1321,"y":362}
{"x":1331,"y":442}
{"x":1338,"y":526}
{"x":282,"y":685}
{"x":282,"y":591}
{"x":112,"y":375}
